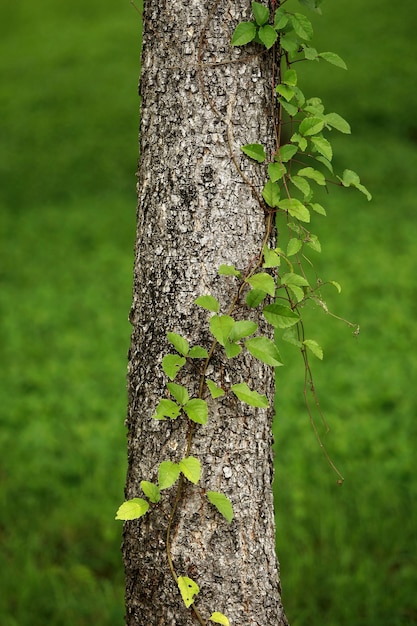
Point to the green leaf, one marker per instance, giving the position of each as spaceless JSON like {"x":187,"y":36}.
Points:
{"x":336,"y":284}
{"x":180,"y":343}
{"x":301,"y":141}
{"x":265,"y":350}
{"x":334,"y":59}
{"x":198,"y":352}
{"x":294,"y":279}
{"x":313,"y":242}
{"x":215,"y":391}
{"x":253,"y":398}
{"x":290,"y":78}
{"x":311,"y":126}
{"x":302,"y":25}
{"x":171,"y":364}
{"x":191,"y":468}
{"x":168,"y":473}
{"x":289,"y":43}
{"x":294,"y":246}
{"x":312,"y":4}
{"x":295,"y":208}
{"x":197,"y":410}
{"x":221,"y":326}
{"x":188,"y":589}
{"x":254,"y":298}
{"x":260,"y":12}
{"x":280,"y":19}
{"x":351,"y":179}
{"x":271,"y":258}
{"x":151,"y":491}
{"x":254,"y":151}
{"x":287,"y":152}
{"x":291,"y":109}
{"x":271,"y":192}
{"x":222,"y":504}
{"x":219,"y":618}
{"x":280,"y":316}
{"x":275,"y":172}
{"x":232,"y":349}
{"x":317,"y":208}
{"x":323,"y":146}
{"x":228,"y":270}
{"x":285,"y":91}
{"x":310,"y":54}
{"x":267,"y":35}
{"x":179,"y":392}
{"x":314,"y":347}
{"x":208,"y":302}
{"x":132,"y":509}
{"x":302,"y":185}
{"x":242,"y":328}
{"x":243,"y":33}
{"x":166,"y":408}
{"x":310,"y":172}
{"x":290,"y":335}
{"x":326,"y":163}
{"x":337,"y":122}
{"x":264,"y":282}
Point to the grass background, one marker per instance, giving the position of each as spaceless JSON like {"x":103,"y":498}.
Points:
{"x":69,"y":124}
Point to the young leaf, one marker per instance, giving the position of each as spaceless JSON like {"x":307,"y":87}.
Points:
{"x":260,"y":12}
{"x":215,"y":391}
{"x":132,"y":509}
{"x":337,"y":122}
{"x":351,"y":179}
{"x":208,"y":302}
{"x":335,"y":59}
{"x":280,"y":19}
{"x":228,"y":270}
{"x":323,"y":146}
{"x":294,"y":279}
{"x":219,"y":618}
{"x":188,"y":589}
{"x":253,"y":398}
{"x":337,"y":285}
{"x":285,"y":91}
{"x":301,"y":141}
{"x":310,"y":172}
{"x":267,"y":35}
{"x":197,"y":352}
{"x":314,"y":347}
{"x":313,"y":242}
{"x":280,"y":316}
{"x":180,"y":343}
{"x":271,"y":258}
{"x":243,"y":33}
{"x":171,"y":363}
{"x":311,"y":126}
{"x":254,"y":297}
{"x":265,"y":350}
{"x":151,"y":491}
{"x":254,"y":151}
{"x":291,"y":109}
{"x":290,"y":335}
{"x":168,"y":473}
{"x":271,"y":192}
{"x":197,"y":410}
{"x":221,"y":326}
{"x":302,"y":185}
{"x":179,"y":392}
{"x":290,"y":78}
{"x":287,"y":152}
{"x":295,"y":208}
{"x":302,"y":25}
{"x":232,"y":349}
{"x":166,"y":408}
{"x":317,"y":208}
{"x":310,"y":54}
{"x":191,"y":468}
{"x":242,"y":328}
{"x":294,"y":246}
{"x":264,"y":282}
{"x":222,"y":504}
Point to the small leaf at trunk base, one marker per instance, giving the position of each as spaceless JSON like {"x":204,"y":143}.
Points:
{"x":222,"y":504}
{"x":132,"y":509}
{"x":188,"y":589}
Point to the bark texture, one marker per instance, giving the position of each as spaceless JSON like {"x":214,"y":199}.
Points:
{"x":196,"y":212}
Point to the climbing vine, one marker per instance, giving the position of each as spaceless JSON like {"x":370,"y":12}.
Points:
{"x":278,"y":283}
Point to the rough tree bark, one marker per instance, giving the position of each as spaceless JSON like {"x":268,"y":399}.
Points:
{"x":196,"y":212}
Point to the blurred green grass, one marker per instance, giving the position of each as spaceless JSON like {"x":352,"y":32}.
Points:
{"x":69,"y":112}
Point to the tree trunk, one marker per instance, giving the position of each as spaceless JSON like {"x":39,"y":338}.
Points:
{"x":201,"y":100}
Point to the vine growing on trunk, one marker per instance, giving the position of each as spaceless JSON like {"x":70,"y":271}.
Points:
{"x":278,"y":282}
